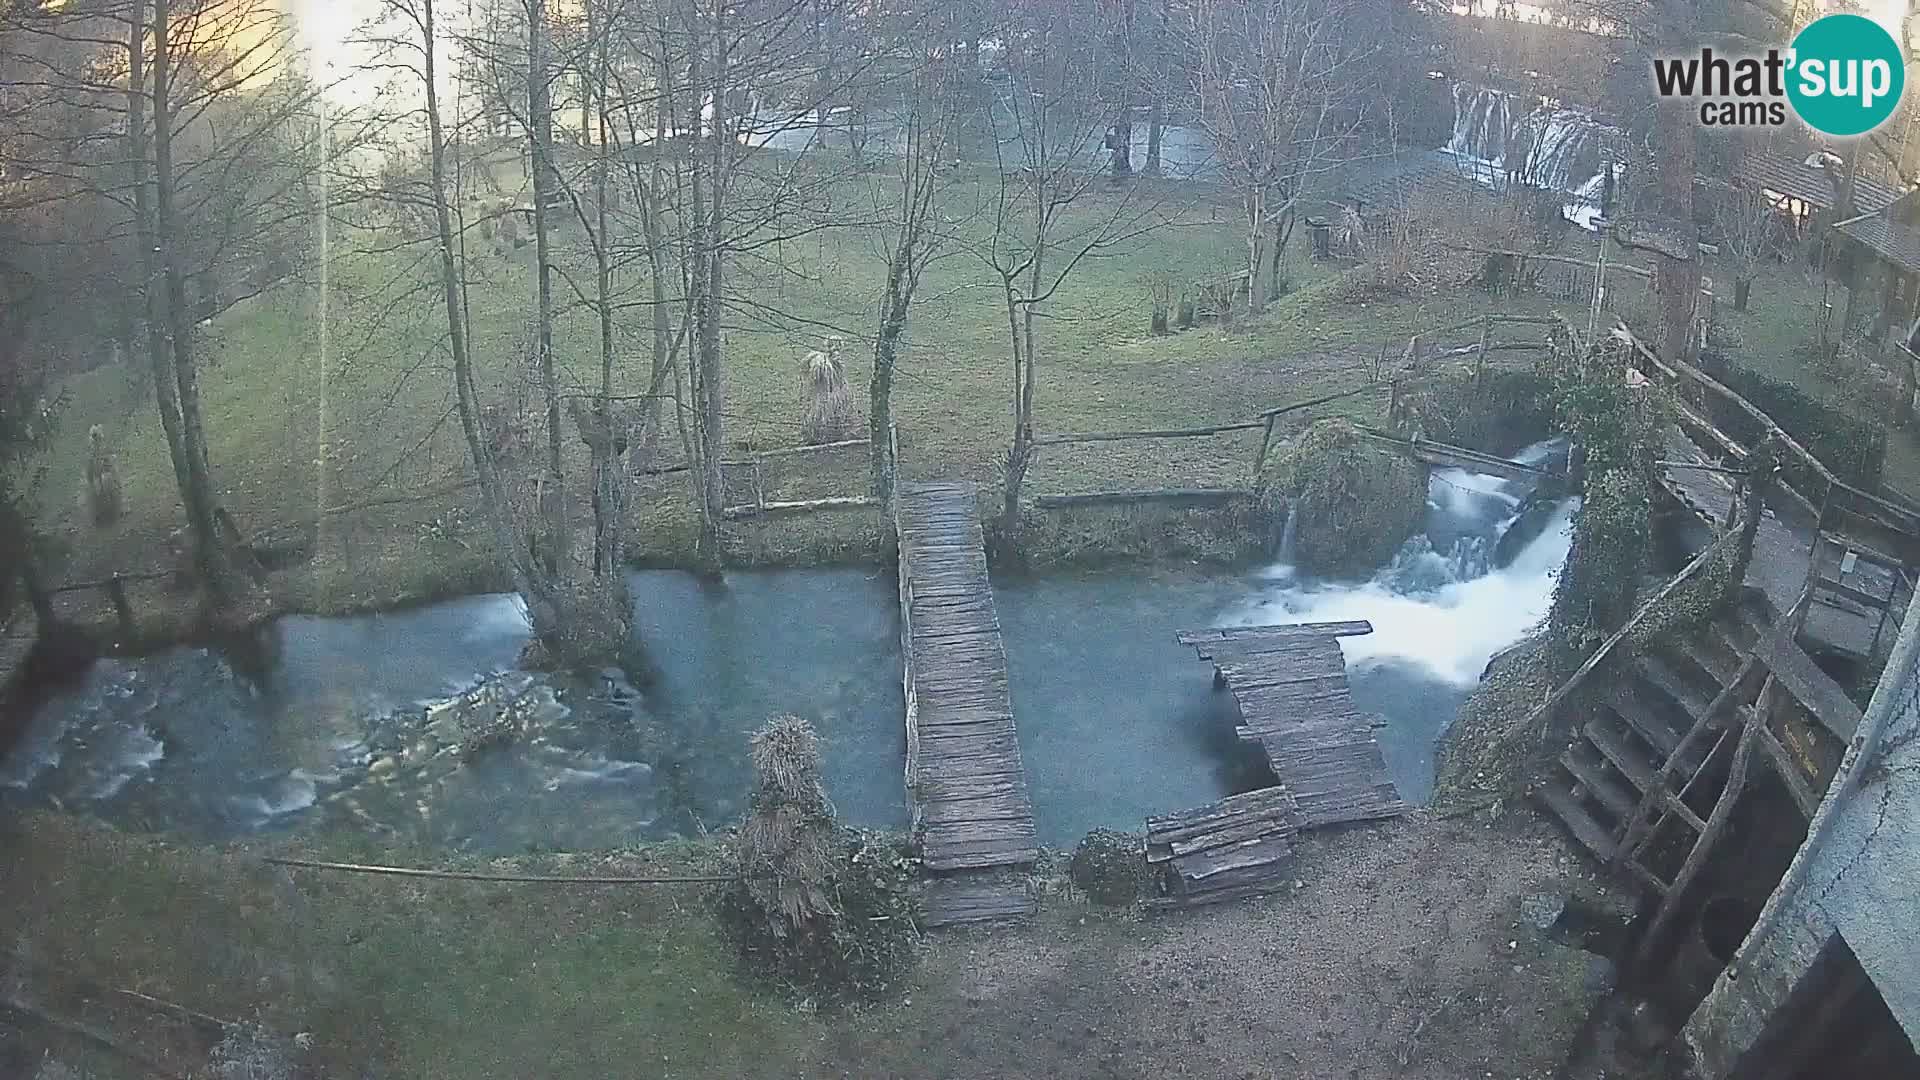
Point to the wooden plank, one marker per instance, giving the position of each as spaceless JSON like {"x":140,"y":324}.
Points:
{"x":972,"y":807}
{"x":1136,"y":496}
{"x":1121,"y":436}
{"x":952,"y":901}
{"x":1578,"y":821}
{"x":1315,"y":658}
{"x":1790,"y":774}
{"x":1180,"y":824}
{"x":1012,"y":806}
{"x":1266,"y":852}
{"x":1346,"y":628}
{"x":1591,"y":770}
{"x":1796,"y":673}
{"x":1654,"y":938}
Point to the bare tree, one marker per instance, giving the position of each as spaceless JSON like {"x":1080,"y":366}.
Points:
{"x":209,"y":184}
{"x":1048,"y":213}
{"x":1280,"y":90}
{"x":910,"y":206}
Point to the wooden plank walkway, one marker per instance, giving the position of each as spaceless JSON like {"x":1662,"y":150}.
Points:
{"x":1290,"y":682}
{"x":1783,"y":551}
{"x":965,"y":778}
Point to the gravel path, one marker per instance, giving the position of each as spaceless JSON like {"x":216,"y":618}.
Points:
{"x":1409,"y":949}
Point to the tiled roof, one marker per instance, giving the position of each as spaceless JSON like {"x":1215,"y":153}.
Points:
{"x":1896,"y":243}
{"x":1813,"y":185}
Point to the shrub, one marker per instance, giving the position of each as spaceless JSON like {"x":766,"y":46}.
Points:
{"x":827,"y":912}
{"x":1109,"y":867}
{"x":1499,"y":412}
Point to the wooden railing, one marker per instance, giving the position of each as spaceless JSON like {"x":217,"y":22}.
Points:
{"x":1390,"y":372}
{"x":1830,"y":495}
{"x":1542,"y":713}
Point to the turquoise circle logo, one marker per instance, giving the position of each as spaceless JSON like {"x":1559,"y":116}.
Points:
{"x":1847,"y":75}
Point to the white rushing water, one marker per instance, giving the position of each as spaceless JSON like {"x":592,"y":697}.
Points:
{"x":1566,"y":149}
{"x":1441,"y":606}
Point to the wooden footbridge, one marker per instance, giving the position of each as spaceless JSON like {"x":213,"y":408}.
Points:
{"x":972,"y":817}
{"x":1289,"y":683}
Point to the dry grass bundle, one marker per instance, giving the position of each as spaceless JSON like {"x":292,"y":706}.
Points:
{"x":102,"y":495}
{"x":829,"y":913}
{"x":787,"y":844}
{"x":829,"y":413}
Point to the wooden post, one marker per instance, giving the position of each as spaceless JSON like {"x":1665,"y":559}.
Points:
{"x":759,"y":490}
{"x":1703,"y":846}
{"x":1266,"y":443}
{"x":1759,"y":480}
{"x":1480,"y":358}
{"x":122,"y":610}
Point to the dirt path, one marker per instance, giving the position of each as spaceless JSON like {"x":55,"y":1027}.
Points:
{"x":1406,"y":953}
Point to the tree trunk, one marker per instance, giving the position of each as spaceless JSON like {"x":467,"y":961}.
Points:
{"x":705,"y":280}
{"x":1282,"y":233}
{"x":554,"y":546}
{"x":1123,"y":145}
{"x":202,"y":507}
{"x":1742,"y":288}
{"x":165,"y":388}
{"x":1152,"y":165}
{"x":606,"y":490}
{"x":492,"y":495}
{"x":1256,"y":251}
{"x":1677,"y":274}
{"x":880,"y":401}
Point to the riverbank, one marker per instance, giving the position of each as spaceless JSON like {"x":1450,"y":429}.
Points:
{"x":359,"y":447}
{"x":1412,"y":948}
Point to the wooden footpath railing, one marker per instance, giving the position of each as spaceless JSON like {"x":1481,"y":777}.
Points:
{"x":1390,"y":372}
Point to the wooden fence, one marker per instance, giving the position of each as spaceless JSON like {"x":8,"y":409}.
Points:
{"x":1393,"y":370}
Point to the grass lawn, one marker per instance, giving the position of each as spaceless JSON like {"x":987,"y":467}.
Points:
{"x":462,"y":981}
{"x":289,"y":433}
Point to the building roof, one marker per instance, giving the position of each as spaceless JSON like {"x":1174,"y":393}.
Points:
{"x":1815,"y":185}
{"x":1884,"y":233}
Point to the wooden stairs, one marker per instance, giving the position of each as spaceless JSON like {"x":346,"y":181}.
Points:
{"x":1651,"y":750}
{"x":1650,"y":781}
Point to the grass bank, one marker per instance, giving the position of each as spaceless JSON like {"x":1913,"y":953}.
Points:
{"x":367,"y":420}
{"x":433,"y":979}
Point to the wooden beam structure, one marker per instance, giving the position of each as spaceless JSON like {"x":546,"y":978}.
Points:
{"x":1178,"y":496}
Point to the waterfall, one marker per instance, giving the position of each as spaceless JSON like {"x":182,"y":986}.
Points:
{"x":1441,"y":607}
{"x":1289,"y":533}
{"x":1567,"y":149}
{"x":1481,"y":119}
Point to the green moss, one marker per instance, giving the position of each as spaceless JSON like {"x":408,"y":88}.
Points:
{"x":1615,"y":427}
{"x":1353,"y":505}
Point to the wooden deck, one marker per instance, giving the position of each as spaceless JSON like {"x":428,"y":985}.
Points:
{"x":1290,"y":683}
{"x":1842,"y":618}
{"x":965,"y":778}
